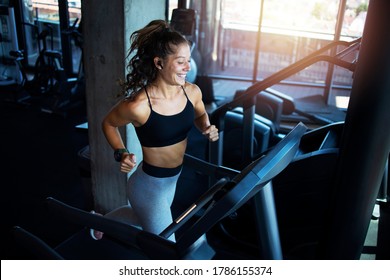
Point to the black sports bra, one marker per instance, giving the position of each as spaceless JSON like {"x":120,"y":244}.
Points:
{"x":160,"y":130}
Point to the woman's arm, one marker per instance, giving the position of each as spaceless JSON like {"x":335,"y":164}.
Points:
{"x":112,"y":121}
{"x":202,"y":121}
{"x":119,"y":116}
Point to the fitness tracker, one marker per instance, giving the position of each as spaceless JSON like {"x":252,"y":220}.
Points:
{"x":118,"y":154}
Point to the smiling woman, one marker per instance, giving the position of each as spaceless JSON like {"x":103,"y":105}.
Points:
{"x":163,"y":107}
{"x":179,"y":64}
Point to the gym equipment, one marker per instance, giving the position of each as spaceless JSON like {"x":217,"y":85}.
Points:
{"x":16,"y":90}
{"x":233,"y":143}
{"x":124,"y":241}
{"x":19,"y":84}
{"x":352,"y":173}
{"x":210,"y":101}
{"x":10,"y":73}
{"x":185,"y":22}
{"x":302,"y":193}
{"x":12,"y":78}
{"x":43,"y":80}
{"x":268,"y":110}
{"x":365,"y":142}
{"x":49,"y":85}
{"x":305,"y":187}
{"x":67,"y":90}
{"x":247,"y":99}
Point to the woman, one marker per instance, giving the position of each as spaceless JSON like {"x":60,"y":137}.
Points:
{"x":162,"y":106}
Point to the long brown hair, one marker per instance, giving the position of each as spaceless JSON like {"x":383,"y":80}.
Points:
{"x":157,"y":39}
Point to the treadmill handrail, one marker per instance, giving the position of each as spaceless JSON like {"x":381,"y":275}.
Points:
{"x":208,"y":168}
{"x":246,"y":184}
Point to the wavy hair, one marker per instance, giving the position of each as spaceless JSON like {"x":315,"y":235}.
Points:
{"x":157,"y":39}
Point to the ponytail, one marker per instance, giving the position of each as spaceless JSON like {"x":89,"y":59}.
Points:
{"x":157,"y":39}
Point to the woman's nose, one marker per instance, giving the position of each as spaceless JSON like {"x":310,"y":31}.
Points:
{"x":187,"y":66}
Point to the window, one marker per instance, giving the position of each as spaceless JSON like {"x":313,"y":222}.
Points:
{"x":289,"y":31}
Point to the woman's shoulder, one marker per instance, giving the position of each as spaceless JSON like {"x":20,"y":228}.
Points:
{"x":192,"y":90}
{"x":135,"y":99}
{"x":191,"y":87}
{"x":134,"y":107}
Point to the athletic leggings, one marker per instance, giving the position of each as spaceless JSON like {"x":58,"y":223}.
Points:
{"x":150,"y":191}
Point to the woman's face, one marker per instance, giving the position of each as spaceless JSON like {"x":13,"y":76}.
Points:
{"x":176,"y":66}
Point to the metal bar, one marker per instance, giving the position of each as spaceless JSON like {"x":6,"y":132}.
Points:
{"x":267,"y":224}
{"x":258,"y":40}
{"x":338,"y":28}
{"x":65,"y":39}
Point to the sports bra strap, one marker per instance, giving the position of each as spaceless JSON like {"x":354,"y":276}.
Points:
{"x":184,"y":92}
{"x":147,"y":95}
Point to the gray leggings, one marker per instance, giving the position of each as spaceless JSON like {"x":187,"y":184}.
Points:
{"x":150,"y":201}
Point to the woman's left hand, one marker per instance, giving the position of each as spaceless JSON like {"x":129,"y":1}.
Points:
{"x":211,"y":133}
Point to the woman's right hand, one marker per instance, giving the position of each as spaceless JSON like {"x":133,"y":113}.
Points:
{"x":128,"y":162}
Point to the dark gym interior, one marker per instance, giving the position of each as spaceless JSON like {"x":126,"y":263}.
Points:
{"x":331,"y":196}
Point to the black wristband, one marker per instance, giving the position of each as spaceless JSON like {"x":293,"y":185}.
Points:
{"x":118,"y":154}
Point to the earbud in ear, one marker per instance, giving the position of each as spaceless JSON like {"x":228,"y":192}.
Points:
{"x":159,"y":64}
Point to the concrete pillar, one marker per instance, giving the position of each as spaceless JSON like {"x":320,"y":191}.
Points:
{"x":107,"y":26}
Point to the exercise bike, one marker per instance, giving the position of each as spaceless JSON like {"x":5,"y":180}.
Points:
{"x":67,"y":91}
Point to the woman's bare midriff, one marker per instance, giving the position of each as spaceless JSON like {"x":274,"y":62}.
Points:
{"x":167,"y":157}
